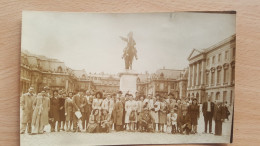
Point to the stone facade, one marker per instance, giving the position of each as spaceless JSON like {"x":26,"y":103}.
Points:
{"x":212,"y":72}
{"x":40,"y":71}
{"x":163,"y":82}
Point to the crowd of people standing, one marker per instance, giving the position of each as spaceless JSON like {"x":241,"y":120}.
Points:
{"x":94,"y":112}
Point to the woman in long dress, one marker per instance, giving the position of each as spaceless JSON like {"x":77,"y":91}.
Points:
{"x":193,"y":110}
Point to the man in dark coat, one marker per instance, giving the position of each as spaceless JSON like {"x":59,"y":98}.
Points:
{"x":208,"y":111}
{"x":54,"y":111}
{"x":219,"y":116}
{"x":27,"y":108}
{"x":62,"y":98}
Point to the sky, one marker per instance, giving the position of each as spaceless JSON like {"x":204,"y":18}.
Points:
{"x":91,"y":41}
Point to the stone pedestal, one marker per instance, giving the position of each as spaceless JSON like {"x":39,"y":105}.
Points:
{"x":128,"y":81}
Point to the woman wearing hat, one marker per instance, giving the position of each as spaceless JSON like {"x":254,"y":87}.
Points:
{"x":193,"y":110}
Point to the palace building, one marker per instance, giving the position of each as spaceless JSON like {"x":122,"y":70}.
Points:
{"x":163,"y":82}
{"x":212,"y":72}
{"x":40,"y":71}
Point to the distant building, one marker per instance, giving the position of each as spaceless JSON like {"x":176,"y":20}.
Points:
{"x":212,"y":72}
{"x":108,"y":83}
{"x":163,"y":82}
{"x":40,"y":71}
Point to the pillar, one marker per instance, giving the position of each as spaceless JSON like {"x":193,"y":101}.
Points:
{"x":202,"y":81}
{"x":189,"y":78}
{"x":193,"y":72}
{"x":197,"y":78}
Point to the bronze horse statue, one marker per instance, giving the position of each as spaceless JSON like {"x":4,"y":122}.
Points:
{"x":129,"y":51}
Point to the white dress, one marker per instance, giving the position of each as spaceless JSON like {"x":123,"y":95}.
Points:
{"x":128,"y":111}
{"x":155,"y":113}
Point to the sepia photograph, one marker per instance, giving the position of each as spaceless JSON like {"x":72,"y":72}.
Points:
{"x":127,"y":78}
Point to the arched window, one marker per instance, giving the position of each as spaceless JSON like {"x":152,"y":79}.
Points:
{"x":162,"y":75}
{"x":83,"y":77}
{"x":59,"y":69}
{"x":138,"y":80}
{"x":217,"y":96}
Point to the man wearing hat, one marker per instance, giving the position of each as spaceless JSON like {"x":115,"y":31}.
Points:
{"x":208,"y":111}
{"x":40,"y":118}
{"x":219,"y":117}
{"x":78,"y":106}
{"x":27,"y":108}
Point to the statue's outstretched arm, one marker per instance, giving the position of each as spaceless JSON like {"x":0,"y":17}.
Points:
{"x":124,"y":39}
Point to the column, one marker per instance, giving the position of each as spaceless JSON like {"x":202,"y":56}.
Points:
{"x":189,"y":78}
{"x":193,"y":72}
{"x":230,"y":74}
{"x":197,"y":78}
{"x":180,"y":87}
{"x":202,"y":81}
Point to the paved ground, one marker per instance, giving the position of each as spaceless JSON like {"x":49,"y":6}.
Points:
{"x":73,"y":139}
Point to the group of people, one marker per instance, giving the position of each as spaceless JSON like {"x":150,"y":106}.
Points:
{"x":93,"y":112}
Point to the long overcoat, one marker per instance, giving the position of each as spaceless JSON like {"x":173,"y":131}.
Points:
{"x":194,"y":112}
{"x":55,"y":111}
{"x":119,"y":112}
{"x":41,"y":107}
{"x":27,"y":108}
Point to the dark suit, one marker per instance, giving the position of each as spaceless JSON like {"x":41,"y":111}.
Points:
{"x":208,"y":115}
{"x":219,"y":115}
{"x":54,"y":113}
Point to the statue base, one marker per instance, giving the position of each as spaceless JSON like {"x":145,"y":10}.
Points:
{"x":128,"y":82}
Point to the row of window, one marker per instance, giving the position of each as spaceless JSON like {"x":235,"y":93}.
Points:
{"x":25,"y":73}
{"x":219,"y":57}
{"x":218,"y":72}
{"x":224,"y":98}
